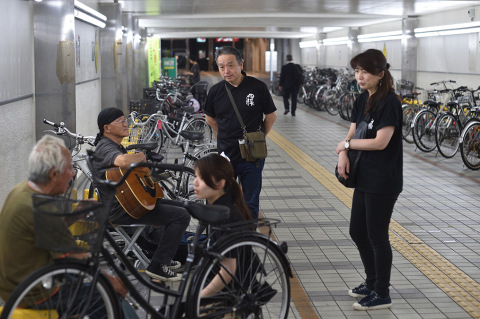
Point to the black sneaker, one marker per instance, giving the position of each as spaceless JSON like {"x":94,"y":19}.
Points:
{"x":360,"y":291}
{"x":174,"y":264}
{"x":286,"y":112}
{"x":162,"y":272}
{"x":373,"y":302}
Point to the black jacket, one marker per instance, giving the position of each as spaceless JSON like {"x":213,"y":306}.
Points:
{"x":287,"y":76}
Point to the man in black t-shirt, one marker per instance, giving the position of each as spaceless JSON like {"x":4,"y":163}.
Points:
{"x":253,"y":100}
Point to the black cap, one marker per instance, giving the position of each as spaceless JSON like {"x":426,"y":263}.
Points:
{"x":107,"y":116}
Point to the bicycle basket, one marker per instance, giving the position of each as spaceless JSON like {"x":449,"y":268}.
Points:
{"x":404,"y":87}
{"x":66,"y":225}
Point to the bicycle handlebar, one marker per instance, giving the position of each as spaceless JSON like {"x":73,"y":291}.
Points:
{"x":60,"y":129}
{"x":443,"y":82}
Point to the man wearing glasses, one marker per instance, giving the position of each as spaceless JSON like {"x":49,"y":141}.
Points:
{"x":257,"y":110}
{"x":170,"y":214}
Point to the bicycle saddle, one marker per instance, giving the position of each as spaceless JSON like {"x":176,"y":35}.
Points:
{"x":432,"y":103}
{"x":209,"y":214}
{"x":193,"y":135}
{"x":145,"y":146}
{"x":189,"y":109}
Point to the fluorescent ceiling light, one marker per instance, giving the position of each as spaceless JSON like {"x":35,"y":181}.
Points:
{"x":381,"y":36}
{"x":87,"y":18}
{"x":89,"y":10}
{"x":308,"y":44}
{"x":446,"y":32}
{"x":392,"y":37}
{"x":335,"y":41}
{"x":448,"y":27}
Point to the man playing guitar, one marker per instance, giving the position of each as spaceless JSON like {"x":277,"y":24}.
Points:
{"x":170,"y":214}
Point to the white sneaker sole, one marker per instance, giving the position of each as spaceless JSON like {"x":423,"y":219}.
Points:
{"x":352,"y":294}
{"x":176,"y":266}
{"x":153,"y":275}
{"x":358,"y":306}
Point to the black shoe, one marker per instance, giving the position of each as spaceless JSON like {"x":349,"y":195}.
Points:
{"x":360,"y":291}
{"x":373,"y":302}
{"x":286,"y":112}
{"x":293,"y":114}
{"x":162,"y":272}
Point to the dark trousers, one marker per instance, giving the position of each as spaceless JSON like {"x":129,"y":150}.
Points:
{"x":293,"y":93}
{"x":170,"y":214}
{"x":370,"y":218}
{"x":250,"y":175}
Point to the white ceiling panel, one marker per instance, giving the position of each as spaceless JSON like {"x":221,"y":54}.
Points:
{"x":271,"y":18}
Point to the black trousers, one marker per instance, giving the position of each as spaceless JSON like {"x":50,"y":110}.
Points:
{"x":370,"y":218}
{"x":293,"y":93}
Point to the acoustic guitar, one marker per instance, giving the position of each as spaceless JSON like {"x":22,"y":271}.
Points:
{"x":139,"y":193}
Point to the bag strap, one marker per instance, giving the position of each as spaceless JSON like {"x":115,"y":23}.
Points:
{"x":236,"y":109}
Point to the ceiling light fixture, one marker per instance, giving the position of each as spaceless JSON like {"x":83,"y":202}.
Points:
{"x":336,"y":41}
{"x":89,"y":15}
{"x":308,"y":44}
{"x":381,"y":36}
{"x":452,"y":29}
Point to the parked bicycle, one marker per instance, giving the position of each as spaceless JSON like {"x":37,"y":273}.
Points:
{"x":258,"y":287}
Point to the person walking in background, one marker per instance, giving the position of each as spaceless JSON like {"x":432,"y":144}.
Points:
{"x":194,"y":70}
{"x":289,"y":85}
{"x":379,"y":176}
{"x":253,"y":100}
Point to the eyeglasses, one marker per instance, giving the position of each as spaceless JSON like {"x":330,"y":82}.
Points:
{"x":121,"y":122}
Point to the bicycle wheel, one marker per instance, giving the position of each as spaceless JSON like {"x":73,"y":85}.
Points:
{"x":301,"y":95}
{"x":152,"y":133}
{"x":346,"y":105}
{"x":198,"y":154}
{"x":470,"y":146}
{"x":260,"y":285}
{"x":319,"y":101}
{"x":71,"y":283}
{"x":447,"y":132}
{"x":332,"y":98}
{"x":200,"y":125}
{"x":79,"y":184}
{"x":424,"y":131}
{"x":409,"y":113}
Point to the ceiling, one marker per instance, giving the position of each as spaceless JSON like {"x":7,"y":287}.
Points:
{"x":271,"y":18}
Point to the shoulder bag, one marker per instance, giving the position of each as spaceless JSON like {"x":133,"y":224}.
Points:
{"x":354,"y":156}
{"x":253,"y":147}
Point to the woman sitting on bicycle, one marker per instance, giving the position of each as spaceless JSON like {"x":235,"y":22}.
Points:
{"x":215,"y":182}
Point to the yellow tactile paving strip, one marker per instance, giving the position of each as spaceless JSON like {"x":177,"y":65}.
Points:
{"x":455,"y":283}
{"x":298,"y":295}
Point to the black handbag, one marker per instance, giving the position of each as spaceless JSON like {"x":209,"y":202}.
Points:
{"x":354,"y":156}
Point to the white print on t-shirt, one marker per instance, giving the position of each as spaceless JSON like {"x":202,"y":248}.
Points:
{"x":250,"y":99}
{"x":370,"y":125}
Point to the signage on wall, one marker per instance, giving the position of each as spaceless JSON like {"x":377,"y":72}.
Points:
{"x":153,"y":45}
{"x":226,"y":40}
{"x":201,"y":40}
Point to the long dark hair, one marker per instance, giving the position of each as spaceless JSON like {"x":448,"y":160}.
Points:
{"x":212,"y":168}
{"x":374,"y":62}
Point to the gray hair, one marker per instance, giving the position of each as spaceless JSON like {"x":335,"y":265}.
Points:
{"x":46,"y":154}
{"x":229,"y":50}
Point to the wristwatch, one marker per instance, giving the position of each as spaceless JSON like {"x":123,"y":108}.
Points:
{"x":347,"y":144}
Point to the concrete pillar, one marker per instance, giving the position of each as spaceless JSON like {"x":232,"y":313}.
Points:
{"x":409,"y":50}
{"x":321,"y":51}
{"x":127,"y":40}
{"x":54,"y":47}
{"x":353,"y":47}
{"x":113,"y":64}
{"x":142,"y":63}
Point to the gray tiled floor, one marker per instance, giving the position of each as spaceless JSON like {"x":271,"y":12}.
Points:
{"x":438,"y":205}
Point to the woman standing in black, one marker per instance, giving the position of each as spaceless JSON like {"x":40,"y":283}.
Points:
{"x":379,"y":176}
